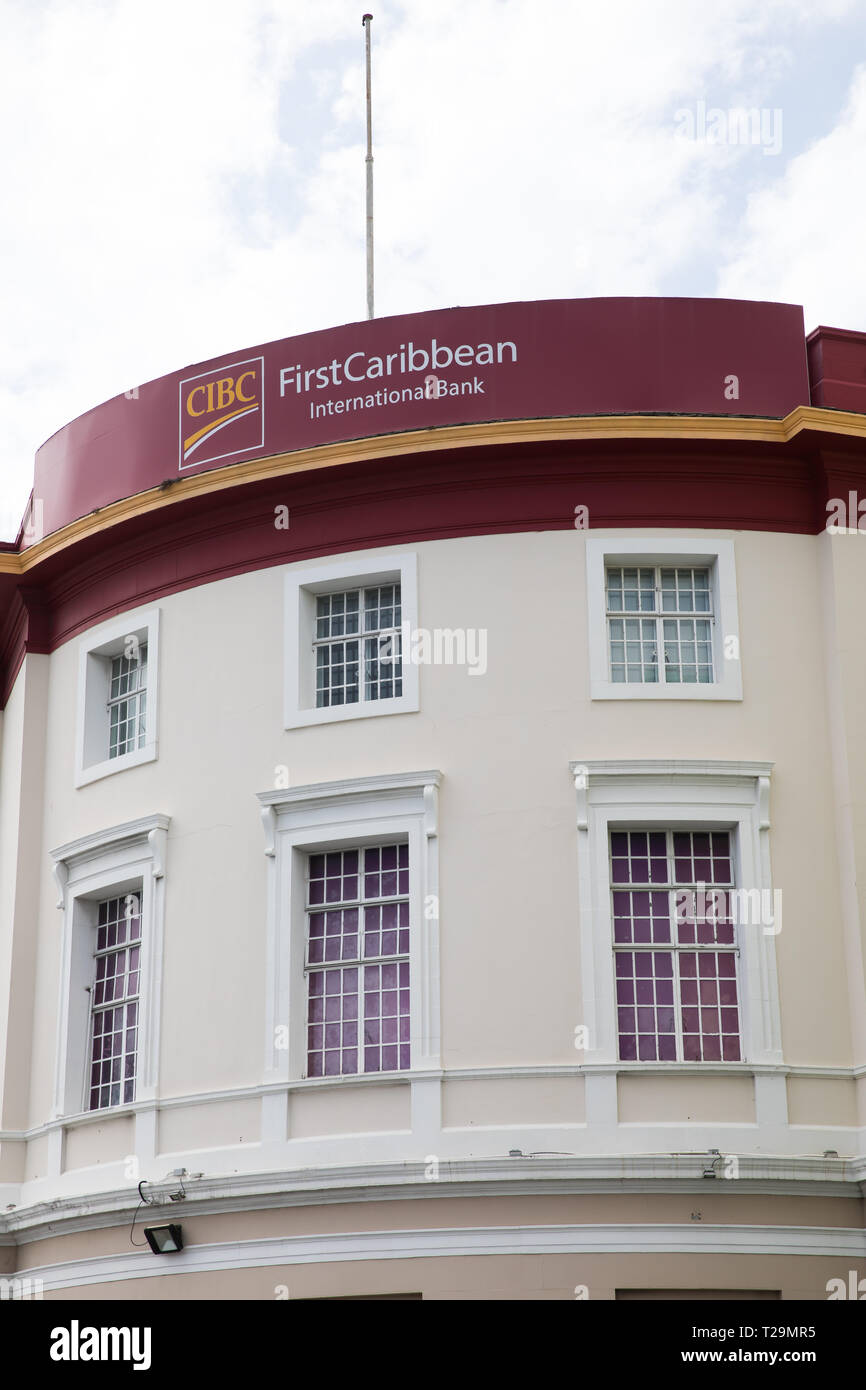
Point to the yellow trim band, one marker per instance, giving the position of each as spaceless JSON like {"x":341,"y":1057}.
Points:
{"x":496,"y":433}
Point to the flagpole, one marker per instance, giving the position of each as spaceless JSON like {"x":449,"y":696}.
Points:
{"x":366,"y":22}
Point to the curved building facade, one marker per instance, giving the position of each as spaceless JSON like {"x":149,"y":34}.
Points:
{"x":432,"y":842}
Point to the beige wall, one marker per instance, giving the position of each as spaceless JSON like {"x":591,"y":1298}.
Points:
{"x":507,"y":1276}
{"x":510,"y":962}
{"x":23,"y":770}
{"x":512,"y":1277}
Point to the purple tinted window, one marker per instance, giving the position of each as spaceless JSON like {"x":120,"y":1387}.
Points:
{"x":114,"y":1003}
{"x":676,"y":990}
{"x":362,"y":939}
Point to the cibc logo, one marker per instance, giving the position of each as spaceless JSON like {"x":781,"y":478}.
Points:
{"x":222,"y":412}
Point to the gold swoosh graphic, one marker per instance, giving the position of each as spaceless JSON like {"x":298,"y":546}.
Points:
{"x":200,"y":435}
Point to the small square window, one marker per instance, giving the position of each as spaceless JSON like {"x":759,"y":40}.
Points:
{"x":117,"y":690}
{"x":358,"y":646}
{"x":127,"y":702}
{"x":660,"y":625}
{"x":344,"y":640}
{"x":662,"y":619}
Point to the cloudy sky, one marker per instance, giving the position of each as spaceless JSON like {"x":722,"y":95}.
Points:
{"x":183,"y":178}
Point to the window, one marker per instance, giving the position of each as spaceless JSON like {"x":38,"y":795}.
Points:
{"x":344,"y":652}
{"x":663,"y":619}
{"x":358,"y":915}
{"x":682,"y":637}
{"x":114,"y":1001}
{"x":674,"y":946}
{"x":112,"y":896}
{"x":127,"y":702}
{"x":357,"y":646}
{"x":117,"y":689}
{"x":353,"y":928}
{"x":678,"y":917}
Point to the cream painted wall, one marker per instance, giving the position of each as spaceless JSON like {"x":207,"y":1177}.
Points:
{"x":508,"y":1278}
{"x":508,"y":863}
{"x":497,"y":1275}
{"x":23,"y":771}
{"x":11,"y":749}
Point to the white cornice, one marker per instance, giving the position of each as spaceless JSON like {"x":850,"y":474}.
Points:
{"x":843,"y":1242}
{"x":526,"y":1175}
{"x":668,"y":767}
{"x":405,"y":1078}
{"x":116,"y":836}
{"x":333,"y":793}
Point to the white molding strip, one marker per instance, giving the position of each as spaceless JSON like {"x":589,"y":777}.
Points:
{"x":524,"y":1175}
{"x":404,"y":1078}
{"x":847,"y":1242}
{"x":336,"y":793}
{"x":115,"y":837}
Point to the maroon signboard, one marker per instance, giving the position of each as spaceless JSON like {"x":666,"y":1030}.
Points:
{"x":418,"y":371}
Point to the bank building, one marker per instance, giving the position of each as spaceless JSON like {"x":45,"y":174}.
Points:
{"x":432,"y":828}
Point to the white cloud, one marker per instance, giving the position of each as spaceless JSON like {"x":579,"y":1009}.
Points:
{"x":183,"y":180}
{"x":802,"y":240}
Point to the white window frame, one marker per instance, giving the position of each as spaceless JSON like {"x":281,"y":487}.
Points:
{"x":342,"y":815}
{"x":303,"y":583}
{"x":127,"y":858}
{"x":655,"y":795}
{"x":129,"y":903}
{"x":684,"y":552}
{"x":92,"y":729}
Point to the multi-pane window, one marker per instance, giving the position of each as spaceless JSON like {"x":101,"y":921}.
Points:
{"x":357,"y":960}
{"x":127,"y":703}
{"x":357,"y":645}
{"x":659,"y":624}
{"x":114,"y":1002}
{"x":674,"y":946}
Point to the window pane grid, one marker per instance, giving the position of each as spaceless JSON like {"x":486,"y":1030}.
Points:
{"x":676,"y":990}
{"x":114,"y":1003}
{"x":367,"y":622}
{"x":357,"y":961}
{"x":634,"y":639}
{"x":127,"y":704}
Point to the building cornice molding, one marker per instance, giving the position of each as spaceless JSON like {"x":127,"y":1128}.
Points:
{"x":337,"y":792}
{"x":563,"y":1071}
{"x":148,"y":834}
{"x":527,"y":1175}
{"x":141,"y":829}
{"x":628,"y":768}
{"x":280,"y":1251}
{"x":499,"y":433}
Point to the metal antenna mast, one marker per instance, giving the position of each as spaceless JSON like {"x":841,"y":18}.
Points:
{"x":366,"y":23}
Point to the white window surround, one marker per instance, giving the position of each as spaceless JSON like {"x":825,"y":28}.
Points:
{"x":359,"y":811}
{"x":302,"y":583}
{"x":686,"y":551}
{"x":96,"y":650}
{"x":656,"y":794}
{"x":128,"y":858}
